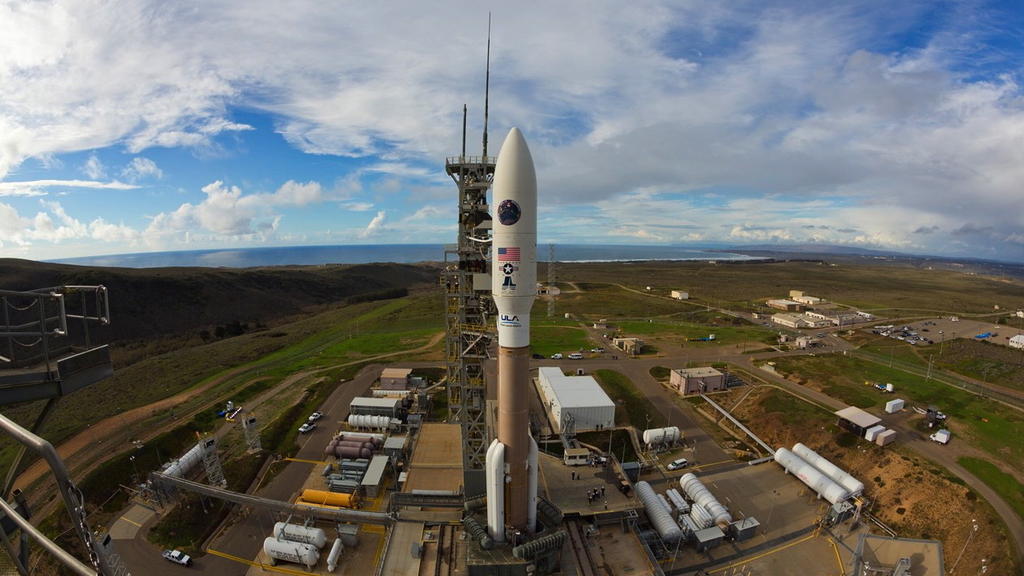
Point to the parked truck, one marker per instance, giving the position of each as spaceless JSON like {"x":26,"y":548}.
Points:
{"x":942,"y":436}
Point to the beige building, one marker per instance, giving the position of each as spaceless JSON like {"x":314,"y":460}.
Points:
{"x":395,"y":378}
{"x":680,"y":295}
{"x":697,"y":380}
{"x":631,"y":346}
{"x":807,"y":300}
{"x":787,"y":305}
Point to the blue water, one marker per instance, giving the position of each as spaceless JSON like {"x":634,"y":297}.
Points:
{"x":402,"y":253}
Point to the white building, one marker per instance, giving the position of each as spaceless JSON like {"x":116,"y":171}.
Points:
{"x":789,"y":320}
{"x":1017,"y":341}
{"x":680,"y":295}
{"x":580,"y":396}
{"x":808,"y":300}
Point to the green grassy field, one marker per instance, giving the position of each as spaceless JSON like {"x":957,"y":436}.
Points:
{"x":632,"y":407}
{"x":1004,"y":484}
{"x":547,"y":340}
{"x":869,"y":286}
{"x":686,"y":332}
{"x":995,"y":428}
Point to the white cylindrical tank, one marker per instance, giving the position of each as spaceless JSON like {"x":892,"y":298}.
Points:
{"x":659,"y":516}
{"x":294,"y":552}
{"x":181,"y":466}
{"x":697,"y":492}
{"x":369,"y":421}
{"x":835,"y":473}
{"x":379,"y":393}
{"x":299,"y":533}
{"x":700,"y":516}
{"x":677,"y":500}
{"x":335,"y":555}
{"x":661,"y":435}
{"x":665,"y":503}
{"x":824,"y":486}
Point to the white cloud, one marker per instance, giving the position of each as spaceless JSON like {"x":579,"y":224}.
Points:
{"x":94,"y":168}
{"x":113,"y":185}
{"x":141,"y":168}
{"x":376,"y":227}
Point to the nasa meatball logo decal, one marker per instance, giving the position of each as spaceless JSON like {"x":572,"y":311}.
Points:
{"x":509,"y":212}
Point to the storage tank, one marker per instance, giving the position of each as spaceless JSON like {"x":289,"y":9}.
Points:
{"x":659,"y":516}
{"x":181,"y":466}
{"x":299,"y":533}
{"x":661,"y":435}
{"x":294,"y":552}
{"x":369,"y":421}
{"x":824,"y":486}
{"x":695,"y":489}
{"x":835,"y":473}
{"x":357,"y":443}
{"x":377,"y":439}
{"x":352,"y":452}
{"x":322,"y":497}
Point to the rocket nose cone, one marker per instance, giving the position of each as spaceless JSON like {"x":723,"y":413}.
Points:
{"x":515,"y":152}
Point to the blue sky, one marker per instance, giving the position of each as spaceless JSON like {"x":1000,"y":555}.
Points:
{"x":146,"y":126}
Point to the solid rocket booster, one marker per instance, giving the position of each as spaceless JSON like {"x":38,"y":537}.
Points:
{"x":514,"y":288}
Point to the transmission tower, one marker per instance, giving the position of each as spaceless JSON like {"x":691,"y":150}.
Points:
{"x":468,"y":304}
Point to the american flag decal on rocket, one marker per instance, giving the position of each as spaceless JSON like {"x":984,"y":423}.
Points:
{"x":508,"y":254}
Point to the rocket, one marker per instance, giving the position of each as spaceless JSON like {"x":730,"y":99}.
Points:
{"x":511,"y":462}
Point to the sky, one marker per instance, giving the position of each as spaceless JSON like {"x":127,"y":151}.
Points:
{"x":139,"y":126}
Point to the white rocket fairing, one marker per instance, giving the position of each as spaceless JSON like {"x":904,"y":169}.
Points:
{"x":512,"y":459}
{"x":514,"y":241}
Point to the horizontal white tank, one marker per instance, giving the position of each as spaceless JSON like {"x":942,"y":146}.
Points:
{"x":371,"y":422}
{"x":697,"y":492}
{"x":294,"y":552}
{"x":824,"y":486}
{"x":661,"y":435}
{"x":381,"y":393}
{"x":677,"y":500}
{"x":299,"y":533}
{"x":659,"y":516}
{"x":700,"y":516}
{"x":835,"y":473}
{"x":665,"y":503}
{"x":181,"y":466}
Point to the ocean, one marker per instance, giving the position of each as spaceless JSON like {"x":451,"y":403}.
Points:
{"x":401,"y":253}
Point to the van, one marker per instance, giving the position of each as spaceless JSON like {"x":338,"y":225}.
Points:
{"x":575,"y":356}
{"x":678,"y":464}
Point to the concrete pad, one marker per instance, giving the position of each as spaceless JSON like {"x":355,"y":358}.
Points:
{"x":128,"y":525}
{"x":399,"y":559}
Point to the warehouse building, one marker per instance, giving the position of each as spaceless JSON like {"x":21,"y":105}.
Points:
{"x":376,"y":406}
{"x":838,"y":317}
{"x":697,"y":380}
{"x":787,"y":305}
{"x":680,"y":295}
{"x":580,"y":396}
{"x":789,"y":320}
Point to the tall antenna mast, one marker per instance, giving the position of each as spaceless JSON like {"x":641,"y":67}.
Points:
{"x":487,"y":82}
{"x":464,"y":109}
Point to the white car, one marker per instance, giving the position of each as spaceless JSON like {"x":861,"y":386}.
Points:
{"x":315,"y":416}
{"x":307,"y":427}
{"x":556,"y":356}
{"x":178,"y":557}
{"x":678,"y":464}
{"x":575,"y":356}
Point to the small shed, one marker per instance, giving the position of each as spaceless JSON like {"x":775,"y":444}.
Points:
{"x":744,"y":528}
{"x":680,"y":295}
{"x":395,"y":378}
{"x":873,"y":432}
{"x":886,"y":438}
{"x":856,"y":420}
{"x":894,"y":406}
{"x":708,"y":538}
{"x":394,"y":447}
{"x":374,"y":475}
{"x":631,"y":346}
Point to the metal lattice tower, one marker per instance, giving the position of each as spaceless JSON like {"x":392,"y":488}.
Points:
{"x":252,"y":435}
{"x":468,"y":306}
{"x":551,"y":280}
{"x":211,"y":461}
{"x":468,"y":303}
